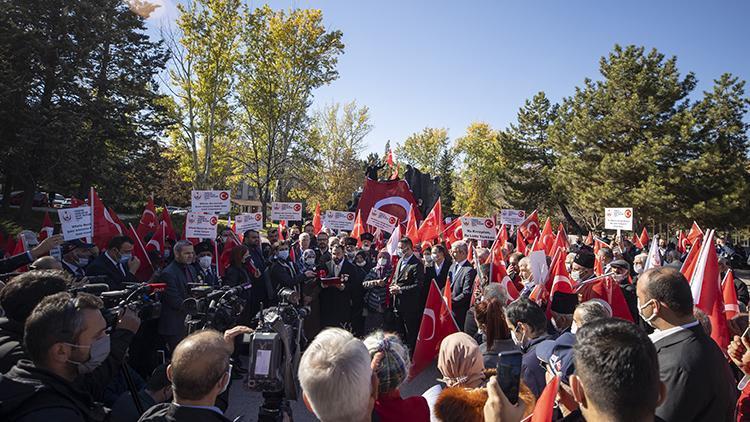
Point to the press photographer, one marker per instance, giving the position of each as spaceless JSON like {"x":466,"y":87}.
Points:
{"x":72,"y":359}
{"x":18,"y":298}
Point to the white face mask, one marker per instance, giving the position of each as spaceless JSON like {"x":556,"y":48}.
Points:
{"x":638,"y":268}
{"x":620,"y":277}
{"x":98,"y":352}
{"x":647,"y":320}
{"x":283,"y":255}
{"x":310,"y":262}
{"x":575,"y":275}
{"x":361,"y":264}
{"x":573,"y":327}
{"x":366,"y":248}
{"x":205,"y":262}
{"x":383,"y":262}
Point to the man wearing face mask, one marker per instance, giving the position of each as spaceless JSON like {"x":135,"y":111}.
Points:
{"x":698,"y":379}
{"x":367,"y":240}
{"x":204,"y":264}
{"x":76,"y":256}
{"x":621,"y":268}
{"x":350,"y":249}
{"x":117,"y":263}
{"x":583,"y":267}
{"x":528,"y":328}
{"x":200,"y":371}
{"x":72,"y":359}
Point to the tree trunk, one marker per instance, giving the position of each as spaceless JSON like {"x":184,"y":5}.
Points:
{"x":569,"y":218}
{"x":29,"y":191}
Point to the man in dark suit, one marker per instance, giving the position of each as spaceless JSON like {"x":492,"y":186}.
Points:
{"x":176,"y":275}
{"x":439,"y":268}
{"x":462,"y":275}
{"x":204,"y":264}
{"x":200,"y":371}
{"x":408,"y":281}
{"x":698,"y":379}
{"x":336,"y":300}
{"x":117,"y":263}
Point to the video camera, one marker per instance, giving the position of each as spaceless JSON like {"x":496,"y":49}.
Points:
{"x":275,"y":353}
{"x":143,"y":298}
{"x":213,"y":308}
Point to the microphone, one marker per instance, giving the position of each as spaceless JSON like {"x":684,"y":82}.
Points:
{"x":94,"y":289}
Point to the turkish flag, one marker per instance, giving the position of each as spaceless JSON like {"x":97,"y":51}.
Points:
{"x":692,"y":258}
{"x":609,"y":291}
{"x":148,"y":223}
{"x":394,"y":197}
{"x":499,"y":274}
{"x":681,"y":242}
{"x":695,"y":234}
{"x":559,"y":279}
{"x":637,"y":241}
{"x":544,"y":410}
{"x":707,"y":292}
{"x":453,"y":232}
{"x":530,"y":227}
{"x":548,"y":238}
{"x":589,"y":239}
{"x":644,"y":238}
{"x":105,"y":227}
{"x":561,"y":241}
{"x":146,"y":270}
{"x":10,"y":246}
{"x":358,"y":229}
{"x":156,"y":243}
{"x":18,"y":248}
{"x":731,"y":305}
{"x":47,"y":227}
{"x":520,"y":242}
{"x":432,"y":226}
{"x":502,"y":236}
{"x":412,"y":232}
{"x":226,"y":254}
{"x":317,"y":223}
{"x":437,"y":324}
{"x":447,"y":294}
{"x":168,"y":227}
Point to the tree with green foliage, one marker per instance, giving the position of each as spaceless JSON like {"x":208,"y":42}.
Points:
{"x":79,"y":104}
{"x":445,"y":173}
{"x":203,"y":54}
{"x":478,"y":191}
{"x":338,"y":138}
{"x":424,"y":149}
{"x":284,"y":56}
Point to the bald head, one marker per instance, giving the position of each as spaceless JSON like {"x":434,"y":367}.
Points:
{"x":199,"y":363}
{"x":668,"y":286}
{"x":46,"y":263}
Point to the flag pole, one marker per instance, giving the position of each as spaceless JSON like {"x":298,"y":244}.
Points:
{"x":91,"y":208}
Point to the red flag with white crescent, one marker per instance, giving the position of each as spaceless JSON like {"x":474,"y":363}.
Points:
{"x":530,"y":227}
{"x":731,"y":305}
{"x":393,"y":196}
{"x":149,"y":222}
{"x":437,"y":324}
{"x":707,"y":294}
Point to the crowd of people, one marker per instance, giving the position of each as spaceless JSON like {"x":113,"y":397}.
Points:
{"x":592,"y":358}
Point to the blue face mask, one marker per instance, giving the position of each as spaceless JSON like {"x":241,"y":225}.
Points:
{"x":125,"y":258}
{"x":283,"y":255}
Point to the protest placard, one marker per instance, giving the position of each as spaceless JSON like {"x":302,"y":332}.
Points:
{"x":210,"y":201}
{"x":512,"y":217}
{"x":248,"y":221}
{"x":382,"y":220}
{"x":289,"y":211}
{"x":339,"y":220}
{"x":75,"y":222}
{"x":618,"y":219}
{"x":201,"y":225}
{"x":479,"y":228}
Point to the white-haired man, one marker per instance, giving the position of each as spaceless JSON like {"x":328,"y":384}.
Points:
{"x":337,"y":381}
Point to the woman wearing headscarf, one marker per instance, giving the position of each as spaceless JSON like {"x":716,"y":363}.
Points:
{"x":310,"y":291}
{"x":391,"y":363}
{"x":376,"y":291}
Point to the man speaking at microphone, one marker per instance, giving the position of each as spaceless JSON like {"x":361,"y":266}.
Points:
{"x":177,"y":276}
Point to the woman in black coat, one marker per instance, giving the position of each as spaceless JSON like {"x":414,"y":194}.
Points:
{"x":284,"y":274}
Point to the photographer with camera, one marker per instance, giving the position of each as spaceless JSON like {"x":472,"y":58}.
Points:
{"x":72,"y":360}
{"x":18,"y":298}
{"x":200,"y":371}
{"x":177,"y":276}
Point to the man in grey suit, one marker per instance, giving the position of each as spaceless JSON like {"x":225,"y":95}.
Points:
{"x":406,"y":286}
{"x":176,"y":275}
{"x":461,"y":275}
{"x":698,"y":379}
